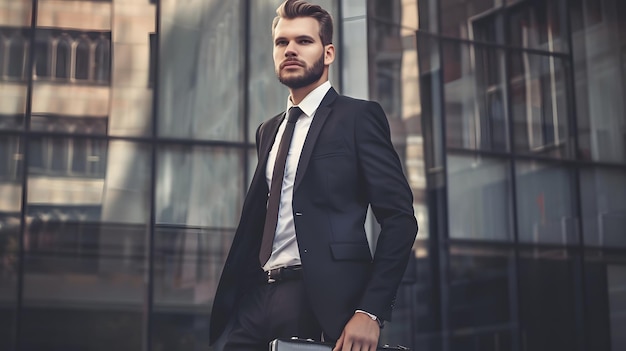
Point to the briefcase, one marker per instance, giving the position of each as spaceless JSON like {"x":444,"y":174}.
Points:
{"x":295,"y":344}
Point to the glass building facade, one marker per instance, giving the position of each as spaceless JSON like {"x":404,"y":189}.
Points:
{"x":127,"y":145}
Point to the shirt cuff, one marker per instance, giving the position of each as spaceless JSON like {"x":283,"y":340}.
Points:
{"x":372,"y":316}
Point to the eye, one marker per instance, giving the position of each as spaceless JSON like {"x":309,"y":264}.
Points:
{"x":281,"y":42}
{"x":305,"y":41}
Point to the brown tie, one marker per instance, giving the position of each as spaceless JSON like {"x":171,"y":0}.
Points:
{"x":273,"y":203}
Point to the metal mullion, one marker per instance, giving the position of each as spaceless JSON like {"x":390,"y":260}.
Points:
{"x":25,"y":154}
{"x":442,"y":234}
{"x":153,"y":142}
{"x":246,"y":38}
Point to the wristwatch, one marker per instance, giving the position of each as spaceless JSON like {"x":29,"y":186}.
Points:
{"x":381,"y":323}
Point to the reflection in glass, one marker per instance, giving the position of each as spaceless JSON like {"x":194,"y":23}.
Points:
{"x":9,"y":266}
{"x":538,"y":98}
{"x":460,"y":14}
{"x":85,"y":244}
{"x":199,"y":186}
{"x":479,"y":198}
{"x":480,"y":311}
{"x":545,"y":204}
{"x":536,"y":25}
{"x":42,"y":56}
{"x":103,"y":60}
{"x":603,"y":195}
{"x":600,"y":60}
{"x":476,"y":108}
{"x":267,"y":96}
{"x":200,"y":63}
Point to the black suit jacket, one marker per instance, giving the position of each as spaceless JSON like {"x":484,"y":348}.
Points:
{"x":347,"y":163}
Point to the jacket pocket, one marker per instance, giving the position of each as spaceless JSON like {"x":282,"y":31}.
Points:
{"x":351,"y":251}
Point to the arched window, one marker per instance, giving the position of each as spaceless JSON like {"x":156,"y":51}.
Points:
{"x":63,"y":58}
{"x":103,"y":60}
{"x":42,"y":56}
{"x":17,"y":56}
{"x":83,"y":59}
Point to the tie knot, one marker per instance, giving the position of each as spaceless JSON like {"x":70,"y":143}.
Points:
{"x":293,"y":115}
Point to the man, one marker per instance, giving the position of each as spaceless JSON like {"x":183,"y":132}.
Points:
{"x":300,"y":263}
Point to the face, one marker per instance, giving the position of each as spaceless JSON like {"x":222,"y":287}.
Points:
{"x":300,"y":59}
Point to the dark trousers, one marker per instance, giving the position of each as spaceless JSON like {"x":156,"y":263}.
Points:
{"x":271,"y":311}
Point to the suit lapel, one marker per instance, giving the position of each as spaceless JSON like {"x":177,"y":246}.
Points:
{"x":322,"y":113}
{"x":266,"y":140}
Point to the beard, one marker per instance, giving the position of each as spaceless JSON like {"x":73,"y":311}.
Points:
{"x":310,"y":76}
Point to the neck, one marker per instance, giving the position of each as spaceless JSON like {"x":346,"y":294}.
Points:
{"x":297,"y":95}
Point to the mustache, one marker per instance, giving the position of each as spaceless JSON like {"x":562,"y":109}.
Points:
{"x":290,"y":61}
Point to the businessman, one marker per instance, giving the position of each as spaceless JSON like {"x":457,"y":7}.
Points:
{"x":300,"y":263}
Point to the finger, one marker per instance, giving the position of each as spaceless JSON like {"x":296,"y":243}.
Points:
{"x":339,"y":343}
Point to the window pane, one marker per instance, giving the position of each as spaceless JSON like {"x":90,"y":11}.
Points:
{"x":476,"y":108}
{"x":603,"y":194}
{"x":600,"y":63}
{"x":545,"y":204}
{"x":550,"y":298}
{"x":539,"y":105}
{"x":200,"y":66}
{"x":479,"y":198}
{"x":85,"y":258}
{"x":481,"y":302}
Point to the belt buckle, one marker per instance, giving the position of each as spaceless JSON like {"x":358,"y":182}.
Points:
{"x":270,"y":280}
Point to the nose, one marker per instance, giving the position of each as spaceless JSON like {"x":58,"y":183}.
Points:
{"x":290,"y":50}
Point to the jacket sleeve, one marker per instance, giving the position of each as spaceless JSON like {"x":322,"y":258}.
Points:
{"x":391,"y":201}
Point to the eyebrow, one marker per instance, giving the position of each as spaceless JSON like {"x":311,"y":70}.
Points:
{"x":299,"y":37}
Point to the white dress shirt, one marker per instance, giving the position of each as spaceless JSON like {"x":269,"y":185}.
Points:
{"x":285,"y":248}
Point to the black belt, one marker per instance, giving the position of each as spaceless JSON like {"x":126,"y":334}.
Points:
{"x":284,"y":273}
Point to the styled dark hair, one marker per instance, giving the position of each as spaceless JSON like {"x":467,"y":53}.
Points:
{"x":291,"y":9}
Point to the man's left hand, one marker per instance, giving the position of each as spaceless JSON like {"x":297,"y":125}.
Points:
{"x":360,"y":334}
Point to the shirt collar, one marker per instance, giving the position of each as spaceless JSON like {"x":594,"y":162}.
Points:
{"x":313,"y":100}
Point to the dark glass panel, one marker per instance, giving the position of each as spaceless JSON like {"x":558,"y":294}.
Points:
{"x":550,"y":298}
{"x":83,"y":59}
{"x":482,"y":304}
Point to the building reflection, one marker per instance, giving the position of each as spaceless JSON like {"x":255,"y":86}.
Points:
{"x":127,"y":145}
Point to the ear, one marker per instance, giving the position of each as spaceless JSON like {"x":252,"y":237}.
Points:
{"x":329,"y":54}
